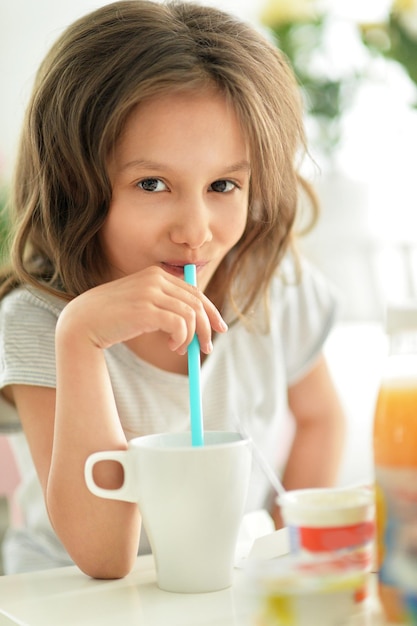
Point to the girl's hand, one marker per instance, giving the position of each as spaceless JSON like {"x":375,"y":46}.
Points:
{"x":147,"y":301}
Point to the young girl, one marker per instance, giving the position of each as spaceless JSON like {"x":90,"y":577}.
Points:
{"x":157,"y":135}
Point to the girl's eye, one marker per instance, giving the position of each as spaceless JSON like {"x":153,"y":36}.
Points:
{"x":152,"y":184}
{"x":222,"y":186}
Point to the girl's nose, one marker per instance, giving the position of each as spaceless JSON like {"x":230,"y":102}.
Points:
{"x":191,"y":226}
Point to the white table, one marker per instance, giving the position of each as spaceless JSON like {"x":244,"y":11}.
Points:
{"x":66,"y":597}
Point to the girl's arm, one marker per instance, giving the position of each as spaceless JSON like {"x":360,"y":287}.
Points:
{"x":316,"y":450}
{"x":63,"y":428}
{"x":100,"y":536}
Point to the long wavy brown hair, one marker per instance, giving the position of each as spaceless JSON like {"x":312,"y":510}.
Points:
{"x":96,"y":73}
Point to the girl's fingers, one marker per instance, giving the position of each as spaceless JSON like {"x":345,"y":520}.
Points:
{"x":148,"y":301}
{"x":200,"y":314}
{"x":186,"y":318}
{"x":216,"y":321}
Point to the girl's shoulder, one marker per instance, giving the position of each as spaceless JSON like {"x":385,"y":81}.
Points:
{"x":28,"y":319}
{"x":298,"y":282}
{"x":306,"y":306}
{"x":25,"y":300}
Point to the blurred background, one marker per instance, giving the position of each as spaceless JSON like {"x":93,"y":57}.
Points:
{"x":356,"y":62}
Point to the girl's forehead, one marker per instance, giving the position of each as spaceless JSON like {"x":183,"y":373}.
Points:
{"x":168,"y":99}
{"x":180,"y":131}
{"x":183,"y":108}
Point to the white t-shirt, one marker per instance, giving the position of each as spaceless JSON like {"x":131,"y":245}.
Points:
{"x":245,"y":380}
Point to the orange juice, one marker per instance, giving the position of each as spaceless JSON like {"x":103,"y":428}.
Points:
{"x":395,"y":426}
{"x":395,"y":457}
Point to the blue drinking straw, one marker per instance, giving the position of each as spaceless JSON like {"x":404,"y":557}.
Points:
{"x":194,"y":382}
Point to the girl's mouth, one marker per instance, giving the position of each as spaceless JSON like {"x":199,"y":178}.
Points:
{"x":177,"y":269}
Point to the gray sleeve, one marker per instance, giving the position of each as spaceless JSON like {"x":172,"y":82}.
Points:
{"x":308,"y":314}
{"x":27,"y":340}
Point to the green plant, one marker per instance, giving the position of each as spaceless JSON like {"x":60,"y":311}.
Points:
{"x":396,"y":37}
{"x":301,"y":31}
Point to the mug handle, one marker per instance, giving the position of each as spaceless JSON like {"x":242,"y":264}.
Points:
{"x":126,"y":492}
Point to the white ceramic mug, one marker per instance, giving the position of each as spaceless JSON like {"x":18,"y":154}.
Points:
{"x":191,"y":500}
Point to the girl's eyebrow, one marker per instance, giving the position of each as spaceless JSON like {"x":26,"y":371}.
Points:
{"x":148,"y":165}
{"x":240,"y":166}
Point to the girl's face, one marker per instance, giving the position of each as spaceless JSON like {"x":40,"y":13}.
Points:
{"x":180,"y":186}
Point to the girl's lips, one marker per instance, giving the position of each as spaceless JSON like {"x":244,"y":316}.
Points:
{"x":177,"y":269}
